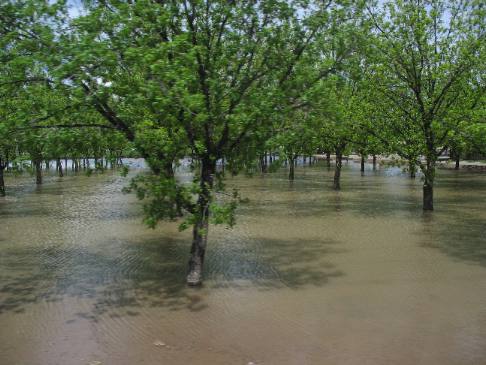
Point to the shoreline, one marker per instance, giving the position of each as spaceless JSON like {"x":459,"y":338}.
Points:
{"x":444,"y":164}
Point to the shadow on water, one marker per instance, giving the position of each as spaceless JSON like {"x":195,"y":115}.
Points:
{"x":462,"y":236}
{"x":458,"y":226}
{"x":275,"y":263}
{"x":122,"y":277}
{"x":119,"y":277}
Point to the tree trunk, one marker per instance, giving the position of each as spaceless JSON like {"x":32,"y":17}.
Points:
{"x":263,"y":163}
{"x":2,"y":181}
{"x":59,"y":167}
{"x":374,"y":162}
{"x":428,"y":196}
{"x":328,"y":160}
{"x":457,"y":157}
{"x":337,"y":170}
{"x":428,"y":188}
{"x":201,"y":225}
{"x":169,"y":169}
{"x":362,"y":168}
{"x":38,"y":172}
{"x":412,"y":167}
{"x":291,"y":169}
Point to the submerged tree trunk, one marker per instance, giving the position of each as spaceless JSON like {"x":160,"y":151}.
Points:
{"x":457,"y":158}
{"x":328,"y":160}
{"x":201,"y":224}
{"x":412,"y":168}
{"x":428,"y":196}
{"x":291,"y":168}
{"x":428,"y":188}
{"x":362,"y":168}
{"x":263,"y":163}
{"x":374,"y":162}
{"x":2,"y":181}
{"x":337,"y":169}
{"x":59,"y":167}
{"x":38,"y":172}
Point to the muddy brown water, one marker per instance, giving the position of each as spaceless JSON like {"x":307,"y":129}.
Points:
{"x":308,"y":275}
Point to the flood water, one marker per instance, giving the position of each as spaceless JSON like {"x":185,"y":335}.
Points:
{"x":307,"y":276}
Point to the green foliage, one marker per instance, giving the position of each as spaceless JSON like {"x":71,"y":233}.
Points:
{"x":230,"y":81}
{"x":424,"y":65}
{"x":164,"y":198}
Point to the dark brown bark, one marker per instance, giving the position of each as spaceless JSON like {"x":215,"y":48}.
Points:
{"x":374,"y":162}
{"x":362,"y":167}
{"x":169,"y":169}
{"x":38,"y":172}
{"x":200,"y":228}
{"x":412,"y":168}
{"x":428,"y":196}
{"x":263,"y":164}
{"x":291,"y":169}
{"x":2,"y":181}
{"x":428,"y":188}
{"x":337,"y":169}
{"x":59,"y":167}
{"x":328,"y":160}
{"x":457,"y":157}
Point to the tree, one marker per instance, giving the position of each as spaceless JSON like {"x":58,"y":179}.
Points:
{"x":422,"y":56}
{"x":179,"y":78}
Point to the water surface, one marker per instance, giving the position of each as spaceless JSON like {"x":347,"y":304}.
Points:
{"x":308,"y":275}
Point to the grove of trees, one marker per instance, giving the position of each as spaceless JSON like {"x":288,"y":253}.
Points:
{"x":234,"y":85}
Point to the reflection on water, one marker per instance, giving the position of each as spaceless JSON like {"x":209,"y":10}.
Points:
{"x":308,"y":275}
